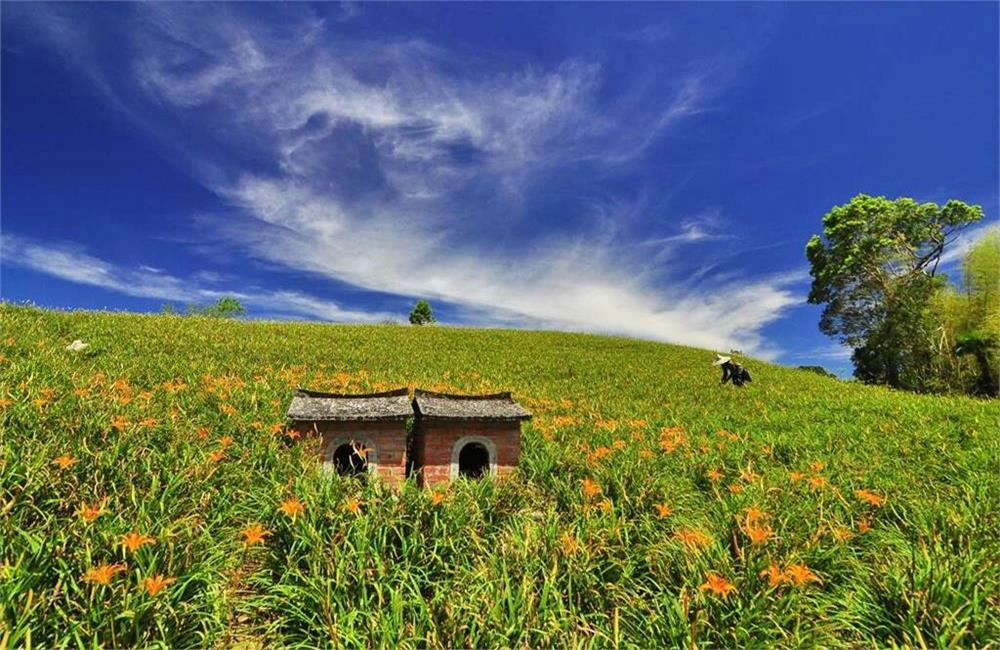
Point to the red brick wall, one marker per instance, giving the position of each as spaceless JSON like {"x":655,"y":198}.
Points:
{"x":434,"y":441}
{"x":388,"y":436}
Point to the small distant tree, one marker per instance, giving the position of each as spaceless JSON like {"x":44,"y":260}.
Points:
{"x":421,"y":314}
{"x":222,"y":308}
{"x":167,"y":309}
{"x":819,"y":370}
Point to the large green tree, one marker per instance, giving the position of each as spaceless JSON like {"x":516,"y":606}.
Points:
{"x":875,"y":269}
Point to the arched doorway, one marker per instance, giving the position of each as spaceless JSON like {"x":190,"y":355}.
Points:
{"x":473,"y":460}
{"x":351,"y":459}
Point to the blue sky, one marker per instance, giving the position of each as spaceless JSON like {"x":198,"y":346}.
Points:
{"x":652,"y":170}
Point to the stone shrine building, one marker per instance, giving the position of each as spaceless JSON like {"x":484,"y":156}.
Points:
{"x":453,"y":435}
{"x":362,"y":434}
{"x":465,"y":435}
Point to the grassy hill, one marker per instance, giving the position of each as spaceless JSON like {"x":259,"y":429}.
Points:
{"x":838,"y":514}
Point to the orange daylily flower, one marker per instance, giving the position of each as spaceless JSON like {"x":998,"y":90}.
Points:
{"x":292,"y":507}
{"x":148,"y":423}
{"x":600,"y":453}
{"x":5,"y":402}
{"x":155,"y":584}
{"x":103,"y":573}
{"x":758,"y":534}
{"x":714,"y":475}
{"x":870,"y":497}
{"x":799,"y":574}
{"x":735,"y":488}
{"x":81,"y":392}
{"x":755,"y":515}
{"x":217,"y":455}
{"x":119,"y":422}
{"x":717,"y":585}
{"x":90,"y":513}
{"x":590,"y":488}
{"x":817,"y":466}
{"x":817,"y":481}
{"x":775,"y":576}
{"x":864,"y":526}
{"x":228,"y":409}
{"x":254,"y":534}
{"x":796,"y":476}
{"x":570,"y":545}
{"x":276,"y":428}
{"x":663,"y":510}
{"x":225,"y":441}
{"x":692,"y":538}
{"x":202,"y":433}
{"x":353,"y":506}
{"x":134,"y":541}
{"x":64,"y":461}
{"x":437,"y":498}
{"x":293,"y":434}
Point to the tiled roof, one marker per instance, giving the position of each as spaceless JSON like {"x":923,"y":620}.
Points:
{"x":313,"y":405}
{"x":499,"y":406}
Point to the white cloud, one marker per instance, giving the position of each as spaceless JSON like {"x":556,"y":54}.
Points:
{"x":833,"y":352}
{"x":401,"y":167}
{"x":71,"y":263}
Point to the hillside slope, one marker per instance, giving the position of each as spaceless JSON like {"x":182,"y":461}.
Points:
{"x":838,"y":513}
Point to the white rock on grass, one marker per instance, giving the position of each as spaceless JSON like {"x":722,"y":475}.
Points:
{"x":77,"y":345}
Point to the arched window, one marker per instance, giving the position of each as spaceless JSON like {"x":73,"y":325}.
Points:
{"x":473,"y":460}
{"x":473,"y":457}
{"x":351,"y":457}
{"x":350,"y":460}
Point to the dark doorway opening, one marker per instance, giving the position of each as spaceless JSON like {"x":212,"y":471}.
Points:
{"x":351,"y":459}
{"x":473,"y":460}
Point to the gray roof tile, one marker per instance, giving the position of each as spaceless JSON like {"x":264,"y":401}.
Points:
{"x":499,"y":406}
{"x":313,"y":405}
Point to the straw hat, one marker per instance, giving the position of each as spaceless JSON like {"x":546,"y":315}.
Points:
{"x":719,"y":360}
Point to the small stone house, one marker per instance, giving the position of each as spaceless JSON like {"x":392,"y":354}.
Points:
{"x":361,"y":434}
{"x":453,"y":435}
{"x":465,"y":435}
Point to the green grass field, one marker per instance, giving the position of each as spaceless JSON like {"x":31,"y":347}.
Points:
{"x":653,"y":507}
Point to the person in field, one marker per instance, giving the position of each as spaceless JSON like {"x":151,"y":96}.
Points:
{"x":732,"y":371}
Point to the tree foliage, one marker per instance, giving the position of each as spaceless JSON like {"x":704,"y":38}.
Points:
{"x":965,"y":324}
{"x":226,"y":307}
{"x":819,"y":370}
{"x":875,"y":270}
{"x":422,"y":314}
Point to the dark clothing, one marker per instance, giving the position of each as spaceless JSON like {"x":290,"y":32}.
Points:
{"x":736,"y":373}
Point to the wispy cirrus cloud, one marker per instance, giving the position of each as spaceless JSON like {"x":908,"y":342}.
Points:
{"x":399,"y":166}
{"x":67,"y":261}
